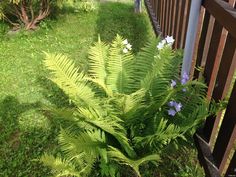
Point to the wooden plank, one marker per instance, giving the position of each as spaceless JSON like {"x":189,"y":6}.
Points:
{"x":177,"y":26}
{"x":158,"y":11}
{"x":205,"y":156}
{"x":153,"y":18}
{"x":225,"y":72}
{"x":170,"y":17}
{"x":167,"y":17}
{"x":181,"y":24}
{"x":197,"y":42}
{"x":163,"y":17}
{"x":187,"y":20}
{"x":226,"y":130}
{"x":211,"y":59}
{"x":207,"y":41}
{"x":173,"y":17}
{"x":231,"y":172}
{"x":221,"y":11}
{"x":219,"y":35}
{"x":229,"y":149}
{"x":202,"y":43}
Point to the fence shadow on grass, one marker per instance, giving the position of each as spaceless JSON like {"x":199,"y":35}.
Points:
{"x":119,"y":18}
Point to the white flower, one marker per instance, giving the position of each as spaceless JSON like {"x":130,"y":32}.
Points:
{"x":160,"y":45}
{"x":163,"y":41}
{"x":125,"y":50}
{"x":125,"y":42}
{"x":170,"y":40}
{"x":129,"y":46}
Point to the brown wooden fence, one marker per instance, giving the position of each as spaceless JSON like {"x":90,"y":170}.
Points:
{"x":215,"y":53}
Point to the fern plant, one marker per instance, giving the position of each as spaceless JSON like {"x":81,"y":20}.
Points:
{"x":128,"y":109}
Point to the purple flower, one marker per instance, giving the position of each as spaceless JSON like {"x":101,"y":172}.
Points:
{"x":184,"y":78}
{"x":174,"y":108}
{"x":171,"y":112}
{"x":173,"y":83}
{"x":178,"y":106}
{"x":171,"y":103}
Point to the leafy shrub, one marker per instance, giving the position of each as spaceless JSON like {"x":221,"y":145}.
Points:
{"x":86,"y":5}
{"x":26,"y":13}
{"x":128,"y":110}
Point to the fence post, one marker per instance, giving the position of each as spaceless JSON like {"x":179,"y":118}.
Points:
{"x":191,"y":35}
{"x":137,"y":6}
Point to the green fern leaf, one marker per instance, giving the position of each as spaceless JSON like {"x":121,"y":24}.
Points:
{"x":67,"y":77}
{"x":119,"y":67}
{"x":60,"y":166}
{"x":116,"y":155}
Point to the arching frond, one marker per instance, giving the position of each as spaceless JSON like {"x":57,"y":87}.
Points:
{"x":166,"y":67}
{"x":88,"y":141}
{"x":98,"y":56}
{"x":163,"y":135}
{"x":60,"y":166}
{"x":116,"y":155}
{"x":72,"y":82}
{"x":108,"y":125}
{"x":144,"y":62}
{"x":119,"y":67}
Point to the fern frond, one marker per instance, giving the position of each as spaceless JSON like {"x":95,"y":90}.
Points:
{"x":163,"y":135}
{"x":165,"y":68}
{"x":143,"y":63}
{"x":108,"y":125}
{"x":119,"y":67}
{"x":60,"y":166}
{"x":67,"y":77}
{"x":88,"y":142}
{"x":116,"y":155}
{"x":98,"y":56}
{"x":133,"y":101}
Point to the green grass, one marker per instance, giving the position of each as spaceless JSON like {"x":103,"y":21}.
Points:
{"x":25,"y":131}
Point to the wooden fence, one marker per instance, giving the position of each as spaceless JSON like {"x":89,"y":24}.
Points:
{"x":215,"y":54}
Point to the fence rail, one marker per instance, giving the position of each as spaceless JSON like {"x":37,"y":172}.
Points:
{"x":215,"y":54}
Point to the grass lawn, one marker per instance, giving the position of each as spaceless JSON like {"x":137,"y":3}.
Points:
{"x":25,"y":132}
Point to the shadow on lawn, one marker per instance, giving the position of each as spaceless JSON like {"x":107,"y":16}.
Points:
{"x":119,"y":18}
{"x":11,"y":109}
{"x":17,"y":147}
{"x":53,"y":93}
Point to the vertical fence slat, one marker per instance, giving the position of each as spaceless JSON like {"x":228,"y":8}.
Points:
{"x":181,"y":24}
{"x":178,"y":13}
{"x":201,"y":46}
{"x":197,"y":42}
{"x":211,"y":59}
{"x":219,"y":53}
{"x":173,"y":18}
{"x":227,"y":153}
{"x":223,"y":80}
{"x":232,"y":169}
{"x":226,"y":129}
{"x":186,"y":18}
{"x":166,"y":18}
{"x":170,"y":17}
{"x":163,"y":17}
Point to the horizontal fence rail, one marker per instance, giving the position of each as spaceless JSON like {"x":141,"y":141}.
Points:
{"x":215,"y":58}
